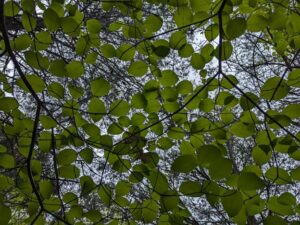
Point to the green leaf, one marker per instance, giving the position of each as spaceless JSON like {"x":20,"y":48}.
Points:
{"x":119,"y":108}
{"x":46,"y":188}
{"x":137,"y":119}
{"x":115,"y":128}
{"x":186,"y":50}
{"x":277,"y":20}
{"x":75,"y":212}
{"x":274,"y":220}
{"x":292,"y":111}
{"x":168,"y":78}
{"x":70,"y":26}
{"x":242,"y":130}
{"x":5,"y":215}
{"x":197,"y":61}
{"x":149,"y":210}
{"x":287,"y":199}
{"x":282,"y":209}
{"x":28,"y":22}
{"x":47,"y":122}
{"x":7,"y":161}
{"x":28,"y":6}
{"x":3,"y":148}
{"x":177,"y":40}
{"x":200,"y":125}
{"x":93,"y":26}
{"x":45,"y":139}
{"x":165,"y":143}
{"x":207,"y":52}
{"x":159,"y":182}
{"x":125,"y":52}
{"x":226,"y":50}
{"x":52,"y":204}
{"x":91,"y":58}
{"x":43,"y":40}
{"x":93,"y":215}
{"x":191,"y":189}
{"x":66,"y":156}
{"x":11,"y":8}
{"x":87,"y":155}
{"x":169,"y":201}
{"x":81,"y":46}
{"x":105,"y":193}
{"x":36,"y":169}
{"x":36,"y":82}
{"x":232,"y":202}
{"x":138,"y":68}
{"x":75,"y":91}
{"x":138,"y":101}
{"x":74,"y":69}
{"x":70,"y":198}
{"x":22,"y":42}
{"x":206,"y":105}
{"x":96,"y":109}
{"x":295,"y":173}
{"x":228,"y":85}
{"x":235,"y":28}
{"x":184,"y":164}
{"x":260,"y":156}
{"x":121,"y":165}
{"x":7,"y":104}
{"x":5,"y":183}
{"x":283,"y":120}
{"x":161,"y":51}
{"x":208,"y":154}
{"x":250,"y":181}
{"x":226,"y":98}
{"x":294,"y":78}
{"x":184,"y":87}
{"x":68,"y":171}
{"x":122,"y":188}
{"x":176,"y":133}
{"x":274,"y":88}
{"x":257,"y":22}
{"x":108,"y":50}
{"x":87,"y":185}
{"x":36,"y":60}
{"x":201,"y":5}
{"x":278,"y":175}
{"x":169,"y":94}
{"x":211,"y":32}
{"x":51,"y":19}
{"x":248,"y":101}
{"x":220,"y":169}
{"x":153,"y":23}
{"x":57,"y":68}
{"x":183,"y":16}
{"x":100,"y":87}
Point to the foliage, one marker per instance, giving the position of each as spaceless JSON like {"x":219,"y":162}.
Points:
{"x":149,"y":112}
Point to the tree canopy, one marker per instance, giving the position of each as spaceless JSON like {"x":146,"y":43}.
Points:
{"x":149,"y":112}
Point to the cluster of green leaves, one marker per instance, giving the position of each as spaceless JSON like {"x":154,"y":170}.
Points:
{"x":79,"y":124}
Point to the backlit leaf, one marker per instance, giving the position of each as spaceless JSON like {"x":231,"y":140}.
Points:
{"x":74,"y":69}
{"x":138,"y":68}
{"x":100,"y":87}
{"x":232,"y":202}
{"x":274,"y":88}
{"x":235,"y":28}
{"x":184,"y":164}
